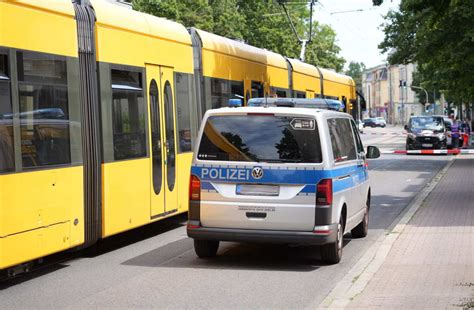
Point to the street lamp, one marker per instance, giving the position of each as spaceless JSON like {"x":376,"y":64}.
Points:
{"x":426,"y":93}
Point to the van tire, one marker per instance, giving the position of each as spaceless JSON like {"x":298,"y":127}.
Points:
{"x":361,"y":230}
{"x":331,"y":253}
{"x":206,"y":248}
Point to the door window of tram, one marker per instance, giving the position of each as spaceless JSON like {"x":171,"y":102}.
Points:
{"x":7,"y":156}
{"x":169,"y":116}
{"x":44,"y":110}
{"x":128,"y":115}
{"x":156,"y":137}
{"x":184,"y":89}
{"x":257,"y":90}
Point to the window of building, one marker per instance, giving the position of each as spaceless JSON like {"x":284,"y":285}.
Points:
{"x":128,"y":115}
{"x":7,"y":156}
{"x":342,"y":139}
{"x":186,"y":115}
{"x":44,"y":110}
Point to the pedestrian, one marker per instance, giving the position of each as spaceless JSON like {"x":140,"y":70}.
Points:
{"x":465,"y":132}
{"x":455,"y":133}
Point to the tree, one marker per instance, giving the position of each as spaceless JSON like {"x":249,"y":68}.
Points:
{"x":439,"y":37}
{"x":355,"y":70}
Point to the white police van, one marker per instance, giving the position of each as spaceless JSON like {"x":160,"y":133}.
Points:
{"x":286,"y":171}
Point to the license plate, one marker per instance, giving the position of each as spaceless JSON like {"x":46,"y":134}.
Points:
{"x":427,"y":145}
{"x":257,"y":190}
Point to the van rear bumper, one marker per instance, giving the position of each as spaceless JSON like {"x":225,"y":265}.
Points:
{"x":261,"y":236}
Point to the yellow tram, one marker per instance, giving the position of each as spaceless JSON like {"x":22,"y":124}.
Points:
{"x":99,"y":108}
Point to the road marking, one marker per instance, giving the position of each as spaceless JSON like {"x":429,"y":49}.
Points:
{"x":429,"y":152}
{"x":355,"y":281}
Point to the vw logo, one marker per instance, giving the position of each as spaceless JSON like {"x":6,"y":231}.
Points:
{"x":257,"y":173}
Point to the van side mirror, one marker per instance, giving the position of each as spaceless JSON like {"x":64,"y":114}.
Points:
{"x":406,"y":127}
{"x":372,"y":152}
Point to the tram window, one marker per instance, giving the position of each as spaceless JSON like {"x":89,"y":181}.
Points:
{"x":237,"y":90}
{"x":279,"y":92}
{"x":128,"y":115}
{"x":184,"y":104}
{"x":300,"y":94}
{"x":7,"y":157}
{"x":257,"y":90}
{"x":44,"y":110}
{"x":156,"y":137}
{"x":3,"y":67}
{"x":220,"y":92}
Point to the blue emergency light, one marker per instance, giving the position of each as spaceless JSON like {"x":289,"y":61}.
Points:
{"x":315,"y":103}
{"x":235,"y":103}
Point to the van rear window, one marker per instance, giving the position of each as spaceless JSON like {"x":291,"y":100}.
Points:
{"x":260,"y":138}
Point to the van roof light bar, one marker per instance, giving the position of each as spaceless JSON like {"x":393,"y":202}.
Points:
{"x":312,"y":103}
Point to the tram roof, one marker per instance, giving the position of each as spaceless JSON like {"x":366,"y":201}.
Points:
{"x":111,"y":15}
{"x":337,"y":77}
{"x":234,"y":48}
{"x":304,"y":68}
{"x":55,"y":6}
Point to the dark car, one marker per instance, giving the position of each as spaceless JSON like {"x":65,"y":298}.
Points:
{"x":374,"y":122}
{"x":370,"y":122}
{"x":426,"y":132}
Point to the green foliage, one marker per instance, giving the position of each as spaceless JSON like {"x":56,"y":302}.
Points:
{"x":257,"y":22}
{"x":439,"y":37}
{"x":355,"y":70}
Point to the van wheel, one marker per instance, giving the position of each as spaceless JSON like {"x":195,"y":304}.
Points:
{"x":361,"y":230}
{"x":331,"y":253}
{"x":206,"y":248}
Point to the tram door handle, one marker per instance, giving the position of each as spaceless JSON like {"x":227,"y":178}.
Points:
{"x":167,"y":148}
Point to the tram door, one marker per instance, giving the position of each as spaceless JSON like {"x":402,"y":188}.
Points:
{"x":164,"y":194}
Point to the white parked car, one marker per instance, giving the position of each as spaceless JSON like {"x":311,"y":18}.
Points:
{"x":360,"y":126}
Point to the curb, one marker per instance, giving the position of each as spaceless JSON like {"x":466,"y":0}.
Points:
{"x":355,"y":281}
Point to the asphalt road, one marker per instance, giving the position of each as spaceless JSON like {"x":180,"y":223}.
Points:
{"x":155,"y":267}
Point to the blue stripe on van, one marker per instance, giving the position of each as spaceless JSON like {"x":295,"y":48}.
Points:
{"x":280,"y":176}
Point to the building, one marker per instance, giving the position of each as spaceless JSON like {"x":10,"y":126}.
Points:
{"x":387,"y":92}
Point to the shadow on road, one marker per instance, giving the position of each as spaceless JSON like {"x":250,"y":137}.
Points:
{"x":133,"y":236}
{"x":234,"y":256}
{"x":412,"y":163}
{"x":52,"y":263}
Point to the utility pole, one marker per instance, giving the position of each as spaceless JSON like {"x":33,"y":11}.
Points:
{"x":303,"y":42}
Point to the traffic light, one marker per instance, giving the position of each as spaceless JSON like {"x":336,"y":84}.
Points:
{"x":350,"y":106}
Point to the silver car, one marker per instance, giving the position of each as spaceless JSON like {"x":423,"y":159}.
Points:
{"x":286,"y":175}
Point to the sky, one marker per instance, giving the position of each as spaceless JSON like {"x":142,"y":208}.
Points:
{"x":358,"y":33}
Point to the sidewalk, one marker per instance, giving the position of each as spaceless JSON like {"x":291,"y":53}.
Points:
{"x":431,"y":264}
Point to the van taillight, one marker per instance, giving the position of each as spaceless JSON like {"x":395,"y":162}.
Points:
{"x":194,"y":188}
{"x":324,"y":192}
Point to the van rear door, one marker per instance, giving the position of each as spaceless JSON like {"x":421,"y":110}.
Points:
{"x":259,"y":171}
